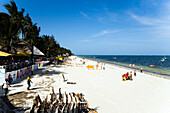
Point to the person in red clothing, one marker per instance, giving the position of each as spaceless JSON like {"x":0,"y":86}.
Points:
{"x":5,"y":86}
{"x":134,"y":72}
{"x":127,"y":75}
{"x":124,"y":77}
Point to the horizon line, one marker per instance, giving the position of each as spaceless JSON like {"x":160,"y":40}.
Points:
{"x":125,"y":55}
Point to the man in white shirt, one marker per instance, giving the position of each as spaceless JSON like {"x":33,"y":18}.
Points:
{"x":5,"y":86}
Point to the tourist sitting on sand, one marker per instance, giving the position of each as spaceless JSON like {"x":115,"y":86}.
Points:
{"x":127,"y":75}
{"x":131,"y":75}
{"x":5,"y":86}
{"x":124,"y":77}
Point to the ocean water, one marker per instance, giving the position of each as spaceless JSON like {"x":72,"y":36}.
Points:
{"x":153,"y":64}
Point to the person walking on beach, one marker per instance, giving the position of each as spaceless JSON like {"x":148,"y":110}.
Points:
{"x":134,"y":72}
{"x":97,"y":65}
{"x":5,"y":86}
{"x":104,"y":65}
{"x":141,"y":69}
{"x":101,"y":65}
{"x":28,"y":82}
{"x":10,"y":79}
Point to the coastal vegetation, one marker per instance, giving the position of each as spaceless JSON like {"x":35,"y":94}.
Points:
{"x":16,"y":27}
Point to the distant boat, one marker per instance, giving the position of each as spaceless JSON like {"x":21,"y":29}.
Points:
{"x":114,"y":58}
{"x":131,"y":65}
{"x":163,"y":59}
{"x":152,"y":65}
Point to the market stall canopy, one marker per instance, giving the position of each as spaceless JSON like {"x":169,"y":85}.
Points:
{"x":22,"y":46}
{"x":4,"y":54}
{"x":21,"y":54}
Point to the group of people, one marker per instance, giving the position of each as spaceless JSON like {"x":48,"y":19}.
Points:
{"x":11,"y":65}
{"x":8,"y":81}
{"x":5,"y":86}
{"x":128,"y":76}
{"x":100,"y":65}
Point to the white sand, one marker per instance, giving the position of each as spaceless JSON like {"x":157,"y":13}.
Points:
{"x":104,"y":88}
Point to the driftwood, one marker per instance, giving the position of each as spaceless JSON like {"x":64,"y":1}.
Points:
{"x":71,"y":82}
{"x":64,"y":80}
{"x":77,"y":104}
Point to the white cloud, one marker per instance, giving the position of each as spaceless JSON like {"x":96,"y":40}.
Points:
{"x":85,"y":15}
{"x":86,"y":40}
{"x":158,"y":26}
{"x":143,"y":20}
{"x":150,"y":20}
{"x":105,"y":32}
{"x":104,"y":15}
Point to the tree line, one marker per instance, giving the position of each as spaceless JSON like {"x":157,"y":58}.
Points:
{"x":16,"y":24}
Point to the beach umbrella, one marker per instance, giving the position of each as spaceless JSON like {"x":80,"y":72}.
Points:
{"x":36,"y":51}
{"x":4,"y":54}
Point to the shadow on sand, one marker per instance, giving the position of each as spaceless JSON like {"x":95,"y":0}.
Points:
{"x":49,"y":72}
{"x":6,"y":106}
{"x":36,"y":88}
{"x":41,"y":72}
{"x":17,"y":86}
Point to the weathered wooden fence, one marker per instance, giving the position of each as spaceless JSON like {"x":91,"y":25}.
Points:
{"x":62,"y":103}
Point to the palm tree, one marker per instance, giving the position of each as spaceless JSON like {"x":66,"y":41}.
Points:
{"x":31,"y":30}
{"x":4,"y":28}
{"x":16,"y":16}
{"x":22,"y":22}
{"x":46,"y":44}
{"x":12,"y":9}
{"x":8,"y":31}
{"x":12,"y":24}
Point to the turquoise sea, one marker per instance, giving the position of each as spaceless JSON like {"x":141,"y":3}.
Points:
{"x":154,"y":64}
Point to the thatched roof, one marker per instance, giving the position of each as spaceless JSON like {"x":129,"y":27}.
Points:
{"x":20,"y":46}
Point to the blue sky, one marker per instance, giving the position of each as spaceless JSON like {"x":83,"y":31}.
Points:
{"x":103,"y":27}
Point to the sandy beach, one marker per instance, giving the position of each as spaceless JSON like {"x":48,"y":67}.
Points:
{"x":103,"y":89}
{"x":122,"y":63}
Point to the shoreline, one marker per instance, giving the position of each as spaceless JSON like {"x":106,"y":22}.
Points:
{"x":165,"y":76}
